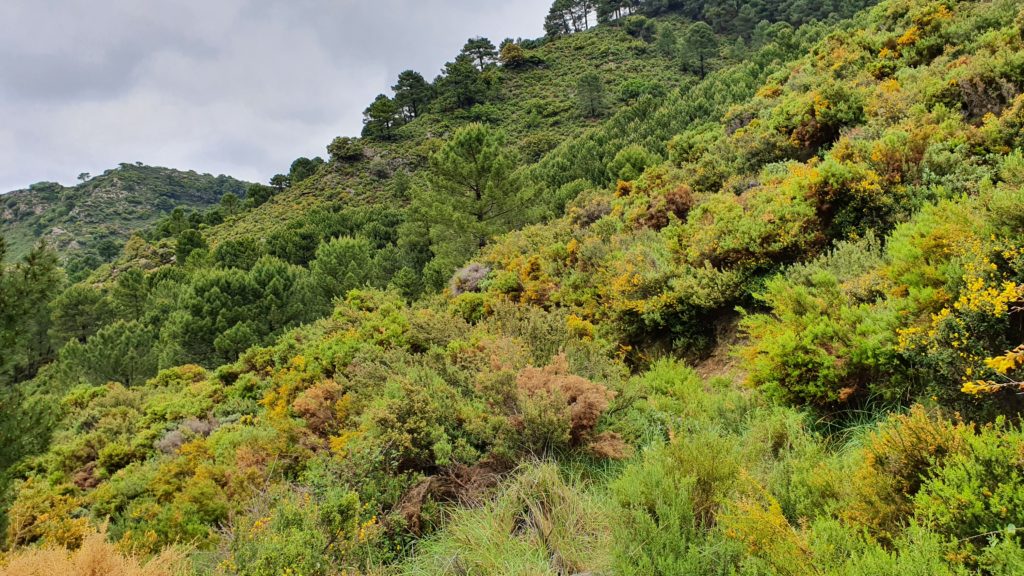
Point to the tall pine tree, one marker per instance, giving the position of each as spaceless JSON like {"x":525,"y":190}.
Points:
{"x":472,"y":193}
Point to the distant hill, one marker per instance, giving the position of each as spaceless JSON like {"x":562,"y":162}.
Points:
{"x":91,"y":220}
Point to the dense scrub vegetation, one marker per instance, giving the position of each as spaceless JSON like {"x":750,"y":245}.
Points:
{"x":707,"y":288}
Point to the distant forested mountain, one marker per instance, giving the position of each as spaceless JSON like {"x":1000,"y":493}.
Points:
{"x":88,"y":223}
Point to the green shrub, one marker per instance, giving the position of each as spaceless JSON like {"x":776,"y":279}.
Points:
{"x":296,"y":532}
{"x":977,"y":492}
{"x":631,"y":162}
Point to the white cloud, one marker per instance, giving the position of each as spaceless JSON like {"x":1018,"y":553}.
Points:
{"x":240,"y":87}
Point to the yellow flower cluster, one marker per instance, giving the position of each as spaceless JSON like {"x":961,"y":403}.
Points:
{"x":1004,"y":365}
{"x":992,"y":300}
{"x":579,"y":327}
{"x":365,"y":529}
{"x":260,"y":524}
{"x":1008,"y":362}
{"x":911,"y":36}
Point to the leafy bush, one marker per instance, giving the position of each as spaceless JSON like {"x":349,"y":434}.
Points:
{"x":559,"y":410}
{"x":976,"y":492}
{"x":898,"y":459}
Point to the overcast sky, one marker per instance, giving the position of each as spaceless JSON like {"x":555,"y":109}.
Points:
{"x":240,"y":87}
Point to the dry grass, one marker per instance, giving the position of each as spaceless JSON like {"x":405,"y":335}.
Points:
{"x":96,"y":557}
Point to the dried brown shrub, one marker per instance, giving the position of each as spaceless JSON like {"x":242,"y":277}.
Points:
{"x":559,"y":409}
{"x":611,"y":446}
{"x":318,"y":407}
{"x":96,"y":557}
{"x":590,"y":212}
{"x":466,"y":485}
{"x":676,"y":202}
{"x":981,"y":96}
{"x":86,"y":477}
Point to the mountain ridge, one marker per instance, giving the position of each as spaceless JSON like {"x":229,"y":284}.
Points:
{"x":91,"y":219}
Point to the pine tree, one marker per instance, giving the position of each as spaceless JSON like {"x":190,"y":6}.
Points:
{"x":590,"y":94}
{"x":188,"y":241}
{"x":472,"y":193}
{"x":558,"y":21}
{"x":280,"y":182}
{"x":482,"y":51}
{"x":229,"y":204}
{"x":667,"y":42}
{"x":412,"y":93}
{"x":131,"y":294}
{"x":341,"y":265}
{"x":78,"y":313}
{"x":26,"y":291}
{"x":462,"y":85}
{"x":699,"y":46}
{"x":303,"y":168}
{"x":119,"y":352}
{"x":381,"y":118}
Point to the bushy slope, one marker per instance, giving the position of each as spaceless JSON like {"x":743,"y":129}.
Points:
{"x":849,"y":200}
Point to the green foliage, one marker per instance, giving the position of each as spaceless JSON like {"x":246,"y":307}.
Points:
{"x":79,"y":312}
{"x":590,"y":94}
{"x":119,"y":352}
{"x":463,"y":85}
{"x":26,"y":291}
{"x":472,"y":193}
{"x":813,"y":323}
{"x":640,"y":27}
{"x":188,"y":242}
{"x":295,"y":531}
{"x":381,"y":118}
{"x":345,"y":150}
{"x":850,"y":186}
{"x":631,"y":162}
{"x":699,"y":47}
{"x":241,"y":253}
{"x":512,"y":55}
{"x":413,"y":93}
{"x":666,"y":502}
{"x":482,"y":51}
{"x":303,"y":168}
{"x":341,"y":265}
{"x":976,"y":493}
{"x":539,"y":524}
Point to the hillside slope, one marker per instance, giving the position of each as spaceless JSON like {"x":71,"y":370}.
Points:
{"x":95,"y":217}
{"x":357,"y":389}
{"x":535,"y":104}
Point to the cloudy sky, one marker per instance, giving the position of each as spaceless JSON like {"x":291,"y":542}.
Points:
{"x":240,"y":87}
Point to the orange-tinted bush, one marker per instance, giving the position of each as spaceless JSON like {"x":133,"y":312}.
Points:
{"x":559,"y":409}
{"x":676,"y":202}
{"x":318,"y":406}
{"x":96,"y":557}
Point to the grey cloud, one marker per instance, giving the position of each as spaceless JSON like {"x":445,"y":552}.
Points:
{"x":233,"y":86}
